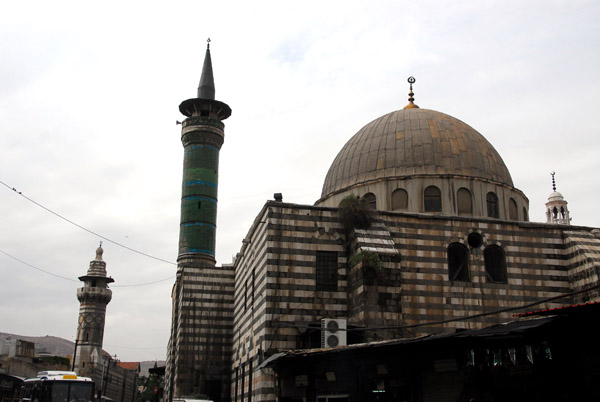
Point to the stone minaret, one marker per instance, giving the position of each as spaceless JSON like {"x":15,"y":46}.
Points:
{"x":556,"y":207}
{"x":199,"y":347}
{"x":93,"y":298}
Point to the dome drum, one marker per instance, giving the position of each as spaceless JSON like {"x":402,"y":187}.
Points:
{"x":452,"y":203}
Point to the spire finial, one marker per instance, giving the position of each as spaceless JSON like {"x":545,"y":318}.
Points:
{"x":208,"y":43}
{"x":411,"y":95}
{"x":99,"y":252}
{"x":553,"y":181}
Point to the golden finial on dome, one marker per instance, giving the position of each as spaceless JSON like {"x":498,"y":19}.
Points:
{"x":411,"y":99}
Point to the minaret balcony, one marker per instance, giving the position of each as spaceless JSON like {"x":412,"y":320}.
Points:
{"x":94,"y":294}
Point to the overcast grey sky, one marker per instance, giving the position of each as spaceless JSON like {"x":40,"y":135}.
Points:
{"x":89,"y":96}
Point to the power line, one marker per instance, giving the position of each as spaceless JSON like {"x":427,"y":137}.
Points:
{"x":170,"y":278}
{"x":73,"y":280}
{"x":84,"y":228}
{"x":39,"y":269}
{"x":462,"y":318}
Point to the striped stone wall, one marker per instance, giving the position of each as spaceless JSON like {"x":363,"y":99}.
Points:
{"x":583,"y":251}
{"x":278,"y":304}
{"x":278,"y":256}
{"x":535,"y":264}
{"x":200,"y":344}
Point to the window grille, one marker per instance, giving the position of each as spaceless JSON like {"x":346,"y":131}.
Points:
{"x":326,"y":270}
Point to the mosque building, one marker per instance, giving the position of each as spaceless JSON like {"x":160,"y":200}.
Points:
{"x":419,"y":230}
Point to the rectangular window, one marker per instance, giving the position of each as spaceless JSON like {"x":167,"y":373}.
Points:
{"x":327,"y":270}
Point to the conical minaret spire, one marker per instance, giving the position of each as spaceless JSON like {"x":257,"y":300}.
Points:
{"x":206,"y":88}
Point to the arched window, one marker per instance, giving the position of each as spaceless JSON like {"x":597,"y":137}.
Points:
{"x":525,"y":216}
{"x":399,"y":199}
{"x":464,"y":202}
{"x":513,"y":213}
{"x":433,"y":199}
{"x":370,"y":201}
{"x":458,"y":262}
{"x":495,"y":264}
{"x":492,"y":205}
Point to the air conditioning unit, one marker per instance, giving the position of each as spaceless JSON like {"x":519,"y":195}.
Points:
{"x":333,"y":332}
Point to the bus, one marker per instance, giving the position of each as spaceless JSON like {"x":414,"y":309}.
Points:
{"x":57,"y":386}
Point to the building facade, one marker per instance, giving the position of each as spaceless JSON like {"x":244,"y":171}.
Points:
{"x":419,"y":230}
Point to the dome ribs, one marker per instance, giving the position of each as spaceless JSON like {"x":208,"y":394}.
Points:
{"x":437,"y":153}
{"x":389,"y":156}
{"x":426,"y":138}
{"x":374,"y":139}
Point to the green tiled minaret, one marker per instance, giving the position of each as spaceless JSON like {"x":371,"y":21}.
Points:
{"x":202,"y":136}
{"x":199,"y":351}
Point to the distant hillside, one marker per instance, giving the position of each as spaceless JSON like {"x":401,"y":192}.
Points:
{"x":55,"y":346}
{"x":51,"y":345}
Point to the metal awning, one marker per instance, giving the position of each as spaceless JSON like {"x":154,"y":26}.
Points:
{"x":495,"y":331}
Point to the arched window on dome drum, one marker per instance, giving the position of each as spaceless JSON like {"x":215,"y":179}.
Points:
{"x":525,"y":216}
{"x":513,"y":211}
{"x":458,"y":262}
{"x":370,"y":201}
{"x":495,"y":264}
{"x":433,"y":199}
{"x":399,"y":200}
{"x":464,"y":202}
{"x":492,"y":205}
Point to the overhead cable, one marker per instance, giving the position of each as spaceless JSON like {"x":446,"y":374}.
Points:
{"x":84,"y":228}
{"x":73,"y":280}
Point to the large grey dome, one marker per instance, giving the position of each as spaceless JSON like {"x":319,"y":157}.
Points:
{"x":414,"y":142}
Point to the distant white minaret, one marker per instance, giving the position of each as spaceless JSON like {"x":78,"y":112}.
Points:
{"x":556,"y":207}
